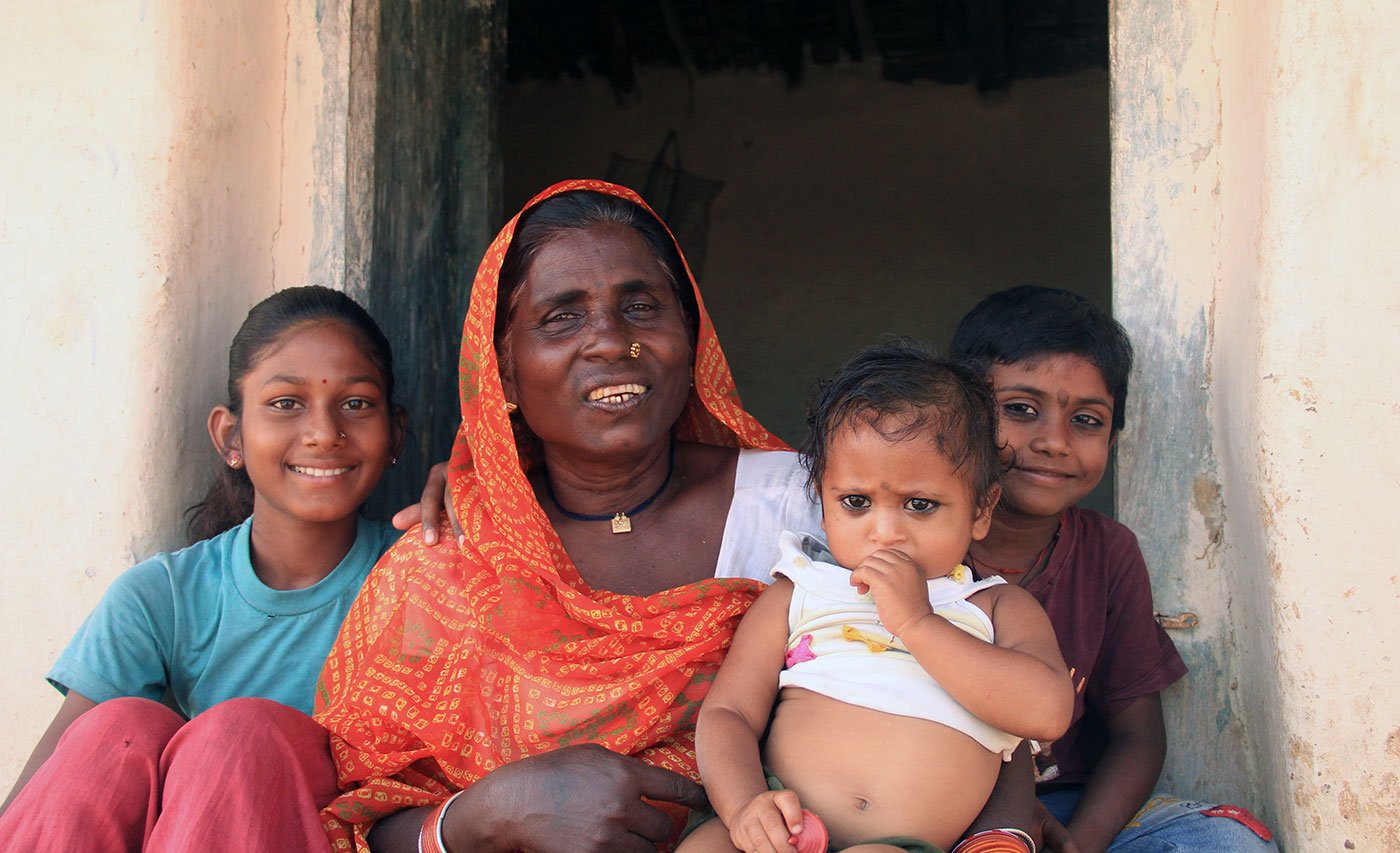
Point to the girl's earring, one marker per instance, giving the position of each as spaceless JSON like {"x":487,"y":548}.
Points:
{"x":510,"y":407}
{"x":235,"y":459}
{"x":394,"y":461}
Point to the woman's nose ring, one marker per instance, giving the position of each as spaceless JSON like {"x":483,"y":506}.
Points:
{"x":635,"y":350}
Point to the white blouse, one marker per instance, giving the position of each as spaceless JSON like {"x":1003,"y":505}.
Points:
{"x":770,"y":496}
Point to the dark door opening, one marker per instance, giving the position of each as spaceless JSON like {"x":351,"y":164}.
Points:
{"x":878,"y":179}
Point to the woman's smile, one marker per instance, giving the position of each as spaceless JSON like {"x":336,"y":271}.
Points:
{"x":617,"y":397}
{"x":589,"y":299}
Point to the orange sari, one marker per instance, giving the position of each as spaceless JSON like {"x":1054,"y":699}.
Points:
{"x":453,"y":662}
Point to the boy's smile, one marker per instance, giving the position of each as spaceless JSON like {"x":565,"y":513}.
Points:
{"x":1054,"y":416}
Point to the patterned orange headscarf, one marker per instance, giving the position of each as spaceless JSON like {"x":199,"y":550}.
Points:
{"x":453,"y":662}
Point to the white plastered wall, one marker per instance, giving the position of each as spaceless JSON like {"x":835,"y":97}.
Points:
{"x":164,"y":166}
{"x":1256,"y":187}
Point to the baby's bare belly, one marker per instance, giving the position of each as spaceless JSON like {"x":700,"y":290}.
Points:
{"x":871,"y":775}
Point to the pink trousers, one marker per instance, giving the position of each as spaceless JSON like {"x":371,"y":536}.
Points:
{"x":246,"y":775}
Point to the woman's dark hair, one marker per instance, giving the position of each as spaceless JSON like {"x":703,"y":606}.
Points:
{"x":905,"y":392}
{"x":1030,"y":322}
{"x":577,"y":210}
{"x":230,"y":498}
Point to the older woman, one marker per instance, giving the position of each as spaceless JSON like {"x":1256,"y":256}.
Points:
{"x":619,"y":507}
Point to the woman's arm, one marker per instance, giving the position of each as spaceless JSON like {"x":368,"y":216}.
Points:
{"x":579,"y":798}
{"x":74,"y":706}
{"x":1123,"y":779}
{"x":733,"y":717}
{"x":429,"y":508}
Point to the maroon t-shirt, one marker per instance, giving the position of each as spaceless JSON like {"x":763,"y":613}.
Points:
{"x":1099,"y":599}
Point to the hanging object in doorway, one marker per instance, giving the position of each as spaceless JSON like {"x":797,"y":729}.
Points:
{"x":681,"y":198}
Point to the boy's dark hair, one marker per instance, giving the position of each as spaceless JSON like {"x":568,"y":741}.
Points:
{"x":906,"y":392}
{"x":1029,"y":322}
{"x":230,"y":498}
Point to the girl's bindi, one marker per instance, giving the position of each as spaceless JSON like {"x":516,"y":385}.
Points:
{"x":323,"y":382}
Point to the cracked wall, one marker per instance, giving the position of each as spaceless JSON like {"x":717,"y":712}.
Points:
{"x":165,"y":164}
{"x":1255,"y":181}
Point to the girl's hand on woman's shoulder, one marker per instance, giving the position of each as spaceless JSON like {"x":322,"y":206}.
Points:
{"x":573,"y":800}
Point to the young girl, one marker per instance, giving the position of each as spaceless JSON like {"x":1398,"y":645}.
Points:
{"x":251,"y":611}
{"x":900,"y":682}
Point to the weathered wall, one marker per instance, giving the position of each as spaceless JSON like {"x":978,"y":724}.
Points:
{"x":163,"y":167}
{"x":1255,"y":183}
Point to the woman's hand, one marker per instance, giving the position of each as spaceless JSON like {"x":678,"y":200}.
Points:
{"x":578,"y":798}
{"x":899,"y":587}
{"x":429,"y":508}
{"x":766,"y":823}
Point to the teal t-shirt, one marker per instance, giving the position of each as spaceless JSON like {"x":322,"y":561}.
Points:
{"x":197,"y":625}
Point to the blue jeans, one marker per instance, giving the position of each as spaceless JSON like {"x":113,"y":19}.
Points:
{"x":1167,"y":824}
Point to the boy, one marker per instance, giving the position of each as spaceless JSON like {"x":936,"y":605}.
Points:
{"x":1059,"y":370}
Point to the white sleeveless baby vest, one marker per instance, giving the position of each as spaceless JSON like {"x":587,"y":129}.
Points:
{"x":838,"y":648}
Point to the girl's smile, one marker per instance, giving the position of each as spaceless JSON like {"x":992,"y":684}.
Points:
{"x":321,"y":472}
{"x":316,"y":431}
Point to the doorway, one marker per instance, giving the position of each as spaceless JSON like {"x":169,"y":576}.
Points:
{"x":866,"y":192}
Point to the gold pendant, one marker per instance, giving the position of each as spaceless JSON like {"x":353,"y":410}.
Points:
{"x":621,"y":523}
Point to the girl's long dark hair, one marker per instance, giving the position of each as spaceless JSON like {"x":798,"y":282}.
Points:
{"x":230,"y":498}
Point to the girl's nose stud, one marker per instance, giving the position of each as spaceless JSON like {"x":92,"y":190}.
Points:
{"x":635,"y":350}
{"x":344,"y":436}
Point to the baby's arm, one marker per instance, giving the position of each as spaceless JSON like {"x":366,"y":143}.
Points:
{"x":1019,"y":684}
{"x":733,"y":717}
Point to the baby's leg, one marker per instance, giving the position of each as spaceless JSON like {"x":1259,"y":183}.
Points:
{"x":712,"y":836}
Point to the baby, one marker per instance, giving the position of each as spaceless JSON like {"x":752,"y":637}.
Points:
{"x":900,"y":682}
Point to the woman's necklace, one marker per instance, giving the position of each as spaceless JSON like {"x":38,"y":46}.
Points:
{"x":622,"y":519}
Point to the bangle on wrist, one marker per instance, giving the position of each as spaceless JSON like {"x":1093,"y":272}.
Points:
{"x":430,"y":838}
{"x":1007,"y":840}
